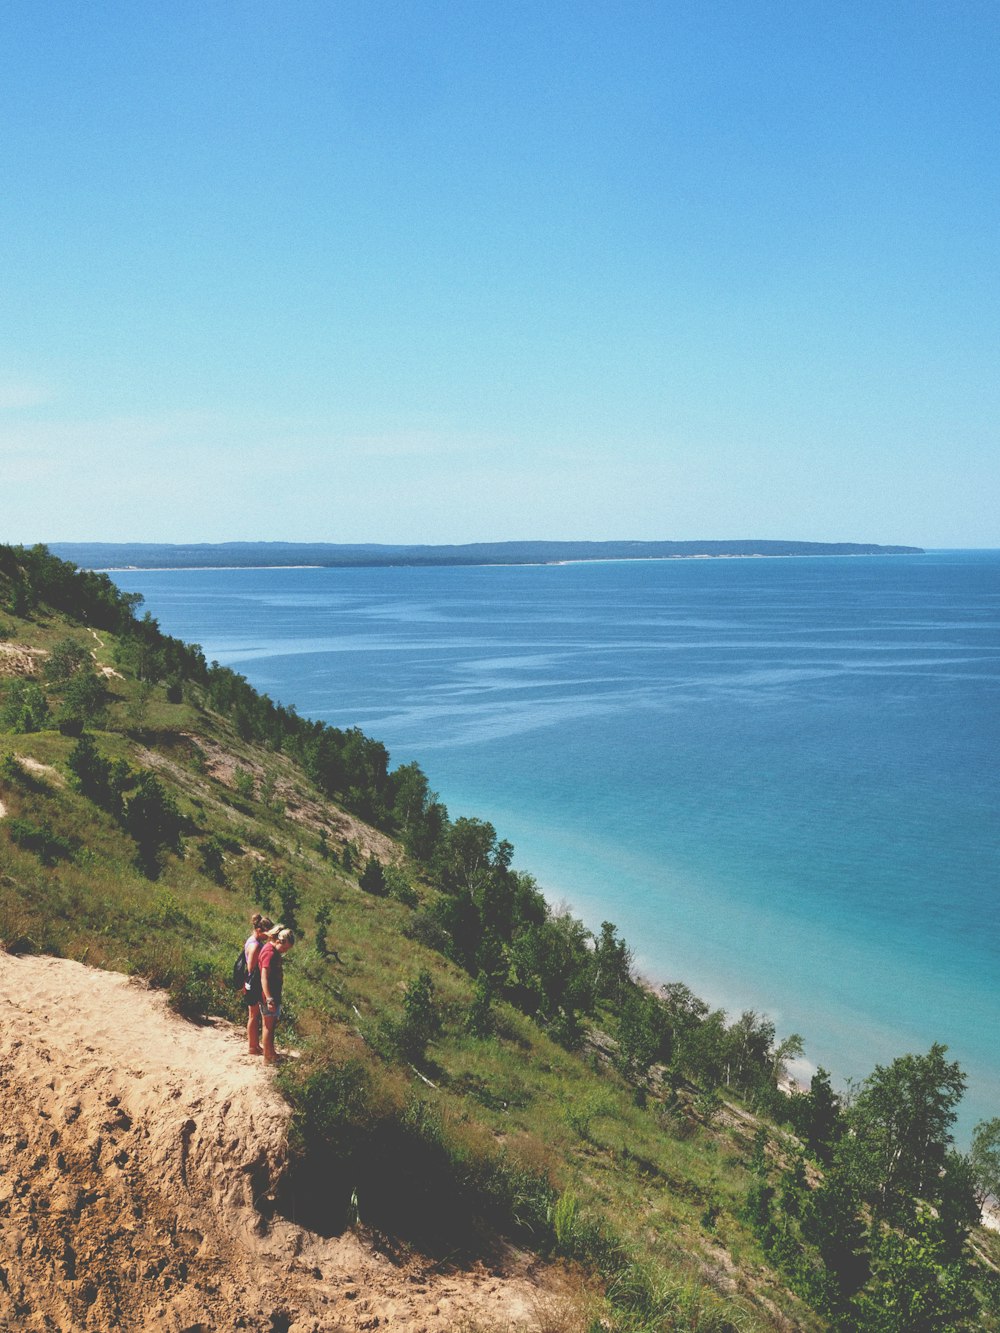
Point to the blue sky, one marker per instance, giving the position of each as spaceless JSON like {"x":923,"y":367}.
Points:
{"x":451,"y":271}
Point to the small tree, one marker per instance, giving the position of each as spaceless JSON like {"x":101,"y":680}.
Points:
{"x":480,"y":1020}
{"x":372,"y":878}
{"x":20,"y":600}
{"x":643,"y":1035}
{"x":831,"y":1221}
{"x":84,"y":698}
{"x":421,"y":1018}
{"x":89,"y":769}
{"x":212,"y":860}
{"x":268,"y":789}
{"x":264,"y":883}
{"x":65,"y":659}
{"x":323,"y":915}
{"x":817,"y":1117}
{"x":612,"y":964}
{"x":152,"y":819}
{"x":138,"y":707}
{"x":290,"y":899}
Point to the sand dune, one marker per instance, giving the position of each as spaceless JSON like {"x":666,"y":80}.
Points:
{"x":138,"y":1155}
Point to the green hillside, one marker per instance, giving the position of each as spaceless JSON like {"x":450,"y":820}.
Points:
{"x":474,"y":1064}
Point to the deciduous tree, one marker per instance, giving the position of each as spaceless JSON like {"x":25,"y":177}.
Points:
{"x":984,"y":1160}
{"x":902,"y":1124}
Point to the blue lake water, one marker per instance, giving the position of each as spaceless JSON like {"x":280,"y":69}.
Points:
{"x":777,"y":777}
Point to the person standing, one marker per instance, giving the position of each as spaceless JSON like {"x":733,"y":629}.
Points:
{"x":251,"y":987}
{"x":269,"y":960}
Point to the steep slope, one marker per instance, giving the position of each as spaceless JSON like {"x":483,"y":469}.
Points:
{"x":140,"y":1157}
{"x":477,"y":1069}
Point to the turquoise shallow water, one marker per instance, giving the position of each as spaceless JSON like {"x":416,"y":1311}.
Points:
{"x":778,"y":777}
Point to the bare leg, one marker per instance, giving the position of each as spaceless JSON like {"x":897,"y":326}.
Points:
{"x":253,"y":1029}
{"x":269,"y":1021}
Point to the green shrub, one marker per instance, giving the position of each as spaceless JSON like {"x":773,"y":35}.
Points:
{"x":480,"y":1020}
{"x":372,"y":878}
{"x":167,"y":911}
{"x":212,"y":861}
{"x":421,"y":1017}
{"x":65,"y":659}
{"x":49,"y":847}
{"x":399,"y":887}
{"x":25,"y":708}
{"x":264,"y":884}
{"x":425,"y":928}
{"x":84,"y":698}
{"x":193,"y":995}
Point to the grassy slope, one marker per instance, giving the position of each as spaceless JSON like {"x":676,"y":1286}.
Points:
{"x":666,"y":1182}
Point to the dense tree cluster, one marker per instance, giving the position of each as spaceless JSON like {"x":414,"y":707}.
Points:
{"x":33,"y":577}
{"x":880,"y":1242}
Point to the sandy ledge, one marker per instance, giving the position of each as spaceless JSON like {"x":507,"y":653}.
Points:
{"x":137,"y":1156}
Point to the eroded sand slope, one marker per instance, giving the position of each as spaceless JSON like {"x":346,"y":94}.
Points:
{"x":137,"y":1154}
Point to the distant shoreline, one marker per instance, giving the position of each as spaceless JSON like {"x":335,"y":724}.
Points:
{"x":491,"y":564}
{"x":124,"y":556}
{"x":191,"y":569}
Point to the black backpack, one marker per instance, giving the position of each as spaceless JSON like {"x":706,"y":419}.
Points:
{"x":240,"y":971}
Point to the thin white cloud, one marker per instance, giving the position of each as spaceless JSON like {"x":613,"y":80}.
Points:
{"x":407,"y":444}
{"x":17,"y":394}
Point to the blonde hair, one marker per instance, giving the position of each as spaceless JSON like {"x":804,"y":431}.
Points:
{"x":281,"y":935}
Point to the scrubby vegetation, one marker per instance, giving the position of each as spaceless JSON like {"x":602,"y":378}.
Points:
{"x":475,"y":1063}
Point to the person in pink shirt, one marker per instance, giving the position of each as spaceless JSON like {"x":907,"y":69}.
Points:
{"x":269,"y":961}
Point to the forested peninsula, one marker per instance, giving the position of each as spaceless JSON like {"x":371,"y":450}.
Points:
{"x":225,"y":555}
{"x":484,"y":1089}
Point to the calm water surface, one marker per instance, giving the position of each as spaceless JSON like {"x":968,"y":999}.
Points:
{"x":777,"y":777}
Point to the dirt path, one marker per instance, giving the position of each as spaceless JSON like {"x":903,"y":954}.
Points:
{"x":135,"y":1149}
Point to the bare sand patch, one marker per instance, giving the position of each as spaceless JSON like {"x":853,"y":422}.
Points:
{"x":17,"y":659}
{"x":138,"y":1153}
{"x":40,"y":770}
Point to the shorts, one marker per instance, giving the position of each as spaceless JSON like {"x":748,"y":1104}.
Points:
{"x":274,"y":1013}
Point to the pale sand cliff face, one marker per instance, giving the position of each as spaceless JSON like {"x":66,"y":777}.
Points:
{"x":137,"y":1151}
{"x":16,"y":659}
